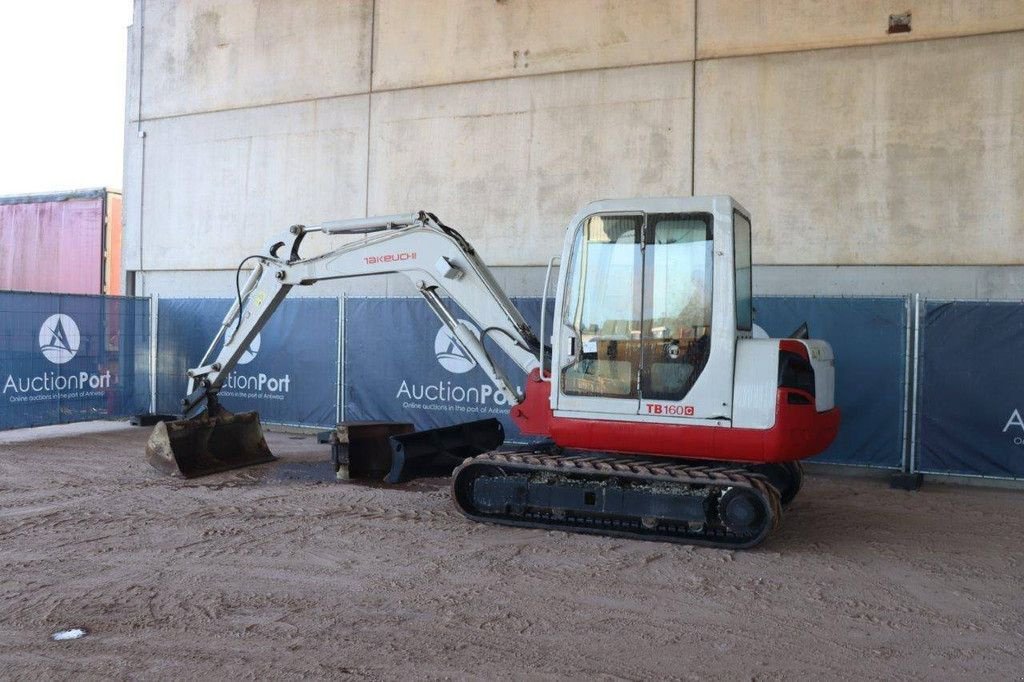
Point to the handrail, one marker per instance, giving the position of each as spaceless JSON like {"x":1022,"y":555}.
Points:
{"x":543,"y":316}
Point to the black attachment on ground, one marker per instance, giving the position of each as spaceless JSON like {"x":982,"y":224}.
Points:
{"x":906,"y":481}
{"x":151,"y":418}
{"x":324,"y":437}
{"x":436,"y":452}
{"x":362,"y":450}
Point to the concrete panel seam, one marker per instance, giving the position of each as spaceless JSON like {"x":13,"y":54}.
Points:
{"x":693,"y":104}
{"x":142,"y":143}
{"x":369,"y":110}
{"x":260,"y":105}
{"x":850,"y":46}
{"x":498,"y":79}
{"x":367,"y":93}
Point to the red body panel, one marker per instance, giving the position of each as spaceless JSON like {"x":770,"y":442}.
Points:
{"x":794,"y":346}
{"x":800,"y":431}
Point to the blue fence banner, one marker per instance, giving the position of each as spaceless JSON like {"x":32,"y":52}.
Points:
{"x":970,"y":375}
{"x":868,"y":336}
{"x":421,"y":375}
{"x":289,"y":374}
{"x":67,"y":358}
{"x":402,"y":364}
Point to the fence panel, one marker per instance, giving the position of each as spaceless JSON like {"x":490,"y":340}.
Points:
{"x":402,"y":364}
{"x":868,"y":336}
{"x":289,"y":374}
{"x":67,"y":358}
{"x":420,"y":375}
{"x":969,"y":407}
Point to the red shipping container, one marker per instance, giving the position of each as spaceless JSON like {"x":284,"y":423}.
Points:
{"x":68,"y":242}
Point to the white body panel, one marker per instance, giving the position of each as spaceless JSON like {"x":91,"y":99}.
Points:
{"x":757,"y":383}
{"x":824,"y":364}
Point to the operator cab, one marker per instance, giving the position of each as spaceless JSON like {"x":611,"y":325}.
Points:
{"x":653,"y":299}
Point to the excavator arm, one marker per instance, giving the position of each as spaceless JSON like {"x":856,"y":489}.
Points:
{"x":437,"y":259}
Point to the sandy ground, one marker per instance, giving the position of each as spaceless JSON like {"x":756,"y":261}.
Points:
{"x":270,"y":573}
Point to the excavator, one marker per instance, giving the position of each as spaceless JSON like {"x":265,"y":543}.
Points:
{"x":667,"y":413}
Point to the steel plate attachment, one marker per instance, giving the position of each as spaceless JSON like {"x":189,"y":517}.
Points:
{"x":362,"y":450}
{"x":393,"y":452}
{"x":436,"y":452}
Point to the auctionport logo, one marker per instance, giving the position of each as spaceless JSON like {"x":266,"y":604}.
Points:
{"x":259,"y":385}
{"x":449,"y":395}
{"x":59,"y":339}
{"x":449,"y":351}
{"x":1017,"y":423}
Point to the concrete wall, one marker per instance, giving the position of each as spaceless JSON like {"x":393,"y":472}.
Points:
{"x":873,"y":162}
{"x":890,"y":154}
{"x":497,"y":158}
{"x":209,"y":55}
{"x":728,"y":28}
{"x":426,"y":42}
{"x":247,"y":173}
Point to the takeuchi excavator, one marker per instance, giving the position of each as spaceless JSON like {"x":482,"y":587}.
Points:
{"x":667,"y":415}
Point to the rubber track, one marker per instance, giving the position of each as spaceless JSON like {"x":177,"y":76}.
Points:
{"x":631,"y":468}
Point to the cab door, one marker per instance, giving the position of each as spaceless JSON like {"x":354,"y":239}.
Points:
{"x":601,"y":316}
{"x":678,"y":279}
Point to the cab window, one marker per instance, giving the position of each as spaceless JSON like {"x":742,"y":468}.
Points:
{"x":744,"y":285}
{"x":603,"y":306}
{"x":677,"y":307}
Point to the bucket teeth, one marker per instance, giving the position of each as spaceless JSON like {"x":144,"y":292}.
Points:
{"x":206,"y":445}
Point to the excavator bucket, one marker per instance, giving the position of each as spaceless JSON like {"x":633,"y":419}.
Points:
{"x":205,"y":445}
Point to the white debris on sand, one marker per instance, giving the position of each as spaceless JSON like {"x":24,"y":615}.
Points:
{"x":64,"y":635}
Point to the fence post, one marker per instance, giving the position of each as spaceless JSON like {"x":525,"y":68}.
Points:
{"x":909,"y":478}
{"x":917,"y":354}
{"x":154,"y":330}
{"x":907,"y":387}
{"x":340,"y":411}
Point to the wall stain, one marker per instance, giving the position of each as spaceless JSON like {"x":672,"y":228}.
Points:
{"x":204,"y":38}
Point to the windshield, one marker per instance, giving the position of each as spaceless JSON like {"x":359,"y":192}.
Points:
{"x":639,"y":300}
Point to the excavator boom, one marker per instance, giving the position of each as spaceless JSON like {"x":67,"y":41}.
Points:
{"x":441,"y":265}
